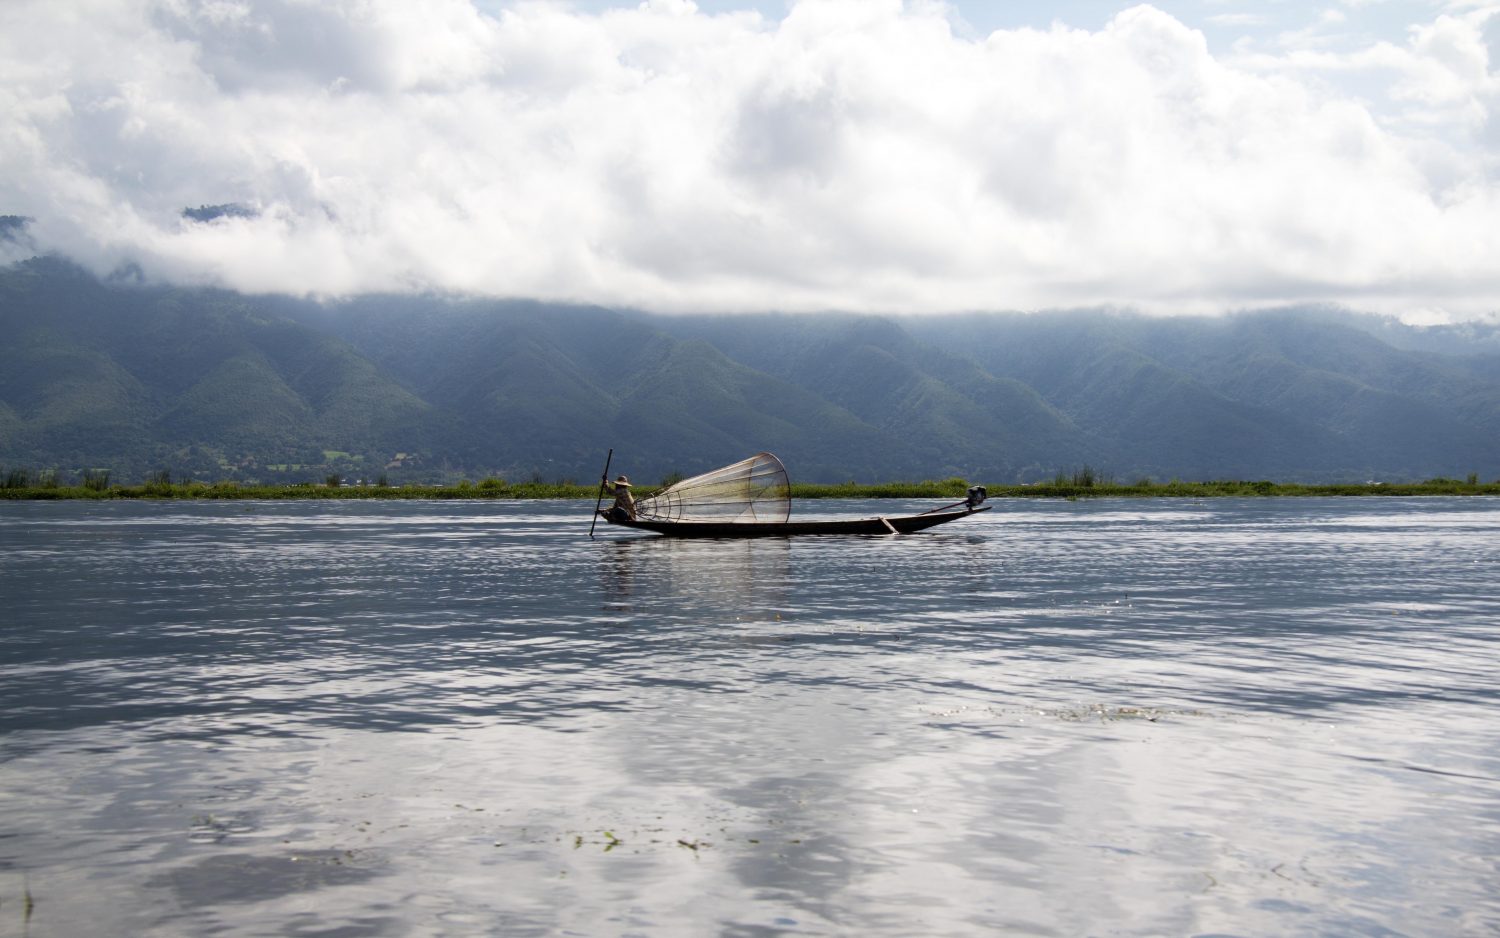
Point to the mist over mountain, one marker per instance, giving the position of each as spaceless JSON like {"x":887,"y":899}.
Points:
{"x":213,"y":384}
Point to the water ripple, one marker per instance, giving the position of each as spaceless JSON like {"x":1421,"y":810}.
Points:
{"x":1257,"y":716}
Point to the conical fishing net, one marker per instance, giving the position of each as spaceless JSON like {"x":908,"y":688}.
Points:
{"x":754,"y":489}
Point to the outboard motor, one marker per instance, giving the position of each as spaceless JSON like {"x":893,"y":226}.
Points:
{"x":977,"y":495}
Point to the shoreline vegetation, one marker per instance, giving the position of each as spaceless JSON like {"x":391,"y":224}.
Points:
{"x":22,"y":486}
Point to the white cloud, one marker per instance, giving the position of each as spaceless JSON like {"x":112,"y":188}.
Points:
{"x":852,"y":155}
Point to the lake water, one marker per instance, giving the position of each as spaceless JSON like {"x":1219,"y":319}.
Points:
{"x":1122,"y":717}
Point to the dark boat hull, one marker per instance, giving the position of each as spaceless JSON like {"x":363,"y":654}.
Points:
{"x":905,"y":524}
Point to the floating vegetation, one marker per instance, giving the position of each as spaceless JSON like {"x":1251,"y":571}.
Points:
{"x":607,"y":840}
{"x":640,"y":840}
{"x":1099,"y":712}
{"x":325,"y":857}
{"x":1110,"y":714}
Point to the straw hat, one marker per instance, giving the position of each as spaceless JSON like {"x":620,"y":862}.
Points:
{"x":622,"y":480}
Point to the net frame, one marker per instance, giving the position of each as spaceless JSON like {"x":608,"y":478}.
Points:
{"x":752,"y":490}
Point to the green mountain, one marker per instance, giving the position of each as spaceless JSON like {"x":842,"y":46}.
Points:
{"x":211,"y":384}
{"x":541,"y":389}
{"x":202,"y":382}
{"x":1291,"y":394}
{"x":965,"y":420}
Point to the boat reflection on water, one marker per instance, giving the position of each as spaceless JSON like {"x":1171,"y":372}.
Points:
{"x":697,"y":580}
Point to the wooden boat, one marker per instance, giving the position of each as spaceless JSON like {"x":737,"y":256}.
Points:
{"x":752,"y":498}
{"x":901,"y":524}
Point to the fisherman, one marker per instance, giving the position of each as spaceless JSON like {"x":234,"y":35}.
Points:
{"x":624,"y":507}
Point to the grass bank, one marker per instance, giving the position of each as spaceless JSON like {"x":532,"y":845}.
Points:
{"x":488,"y":489}
{"x":946,"y":488}
{"x":1242,"y":489}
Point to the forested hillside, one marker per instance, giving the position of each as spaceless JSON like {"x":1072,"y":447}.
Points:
{"x":209,"y":384}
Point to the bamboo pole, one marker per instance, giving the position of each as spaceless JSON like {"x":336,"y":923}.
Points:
{"x":602,"y":480}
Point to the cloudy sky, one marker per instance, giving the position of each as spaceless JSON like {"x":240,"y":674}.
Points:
{"x":1183,"y":156}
